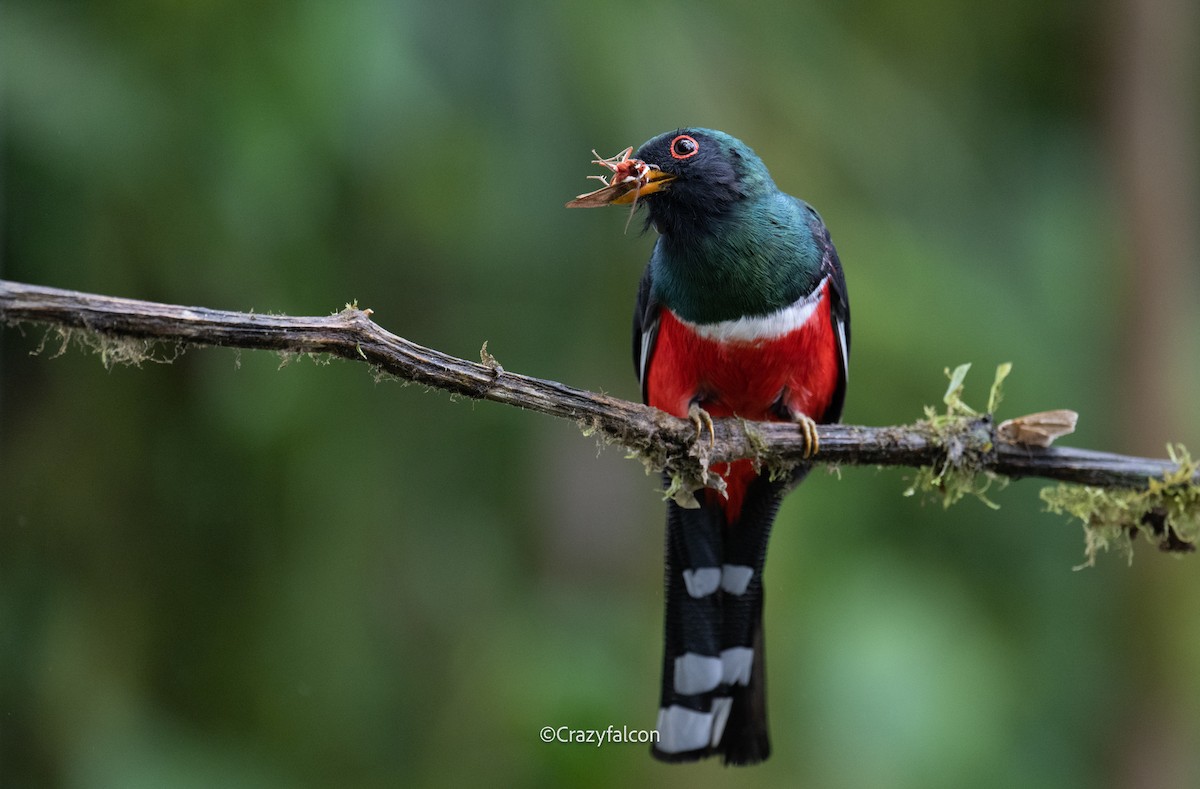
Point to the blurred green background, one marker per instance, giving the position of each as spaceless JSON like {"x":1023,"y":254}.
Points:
{"x":219,"y":572}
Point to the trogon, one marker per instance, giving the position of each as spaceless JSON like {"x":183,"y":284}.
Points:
{"x":742,"y":311}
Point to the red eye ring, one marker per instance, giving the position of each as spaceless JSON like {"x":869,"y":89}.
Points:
{"x":684,"y":147}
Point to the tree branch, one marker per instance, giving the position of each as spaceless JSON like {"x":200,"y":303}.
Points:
{"x":660,"y":440}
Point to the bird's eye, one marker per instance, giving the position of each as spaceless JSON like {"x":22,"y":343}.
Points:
{"x":684,"y":147}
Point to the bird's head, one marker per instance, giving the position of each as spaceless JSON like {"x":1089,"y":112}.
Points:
{"x":709,"y":171}
{"x":689,"y":176}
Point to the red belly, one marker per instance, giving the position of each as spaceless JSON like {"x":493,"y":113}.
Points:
{"x":744,"y":378}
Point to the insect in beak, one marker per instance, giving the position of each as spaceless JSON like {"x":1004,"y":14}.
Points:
{"x":630,"y":179}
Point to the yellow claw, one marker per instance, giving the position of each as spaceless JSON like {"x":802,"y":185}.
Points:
{"x":812,"y":441}
{"x":701,"y":419}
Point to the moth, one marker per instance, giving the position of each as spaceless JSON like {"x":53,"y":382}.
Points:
{"x":1038,"y":430}
{"x":627,"y":175}
{"x":630,"y":176}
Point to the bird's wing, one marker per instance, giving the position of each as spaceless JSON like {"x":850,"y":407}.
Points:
{"x":645,"y":329}
{"x":839,"y":311}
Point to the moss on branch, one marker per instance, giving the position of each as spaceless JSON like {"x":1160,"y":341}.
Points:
{"x":957,"y":452}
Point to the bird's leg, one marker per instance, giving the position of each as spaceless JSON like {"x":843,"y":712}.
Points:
{"x":701,"y":419}
{"x":808,"y":427}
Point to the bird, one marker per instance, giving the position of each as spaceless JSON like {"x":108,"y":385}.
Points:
{"x":742,"y":310}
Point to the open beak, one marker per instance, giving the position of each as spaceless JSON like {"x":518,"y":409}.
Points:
{"x":655,"y":181}
{"x":625,"y":192}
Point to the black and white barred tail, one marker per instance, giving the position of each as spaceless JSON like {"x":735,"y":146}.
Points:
{"x":714,"y":685}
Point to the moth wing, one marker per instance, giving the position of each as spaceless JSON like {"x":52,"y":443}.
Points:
{"x":1038,"y":429}
{"x":603,"y":196}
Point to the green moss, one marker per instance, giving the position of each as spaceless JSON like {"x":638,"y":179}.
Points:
{"x":951,"y":484}
{"x":1167,"y":511}
{"x":962,"y":473}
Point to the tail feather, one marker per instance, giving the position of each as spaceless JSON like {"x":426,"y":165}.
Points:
{"x":691,"y":659}
{"x":746,"y":739}
{"x":713,"y":697}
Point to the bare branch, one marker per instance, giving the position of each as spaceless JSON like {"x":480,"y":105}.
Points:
{"x":660,"y":440}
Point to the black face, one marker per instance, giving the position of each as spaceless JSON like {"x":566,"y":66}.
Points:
{"x":707,"y":179}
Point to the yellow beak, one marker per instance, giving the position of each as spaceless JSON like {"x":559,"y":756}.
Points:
{"x":656,"y":180}
{"x":623,"y":193}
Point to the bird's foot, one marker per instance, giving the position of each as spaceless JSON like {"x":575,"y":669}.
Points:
{"x":701,"y":419}
{"x":812,"y":442}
